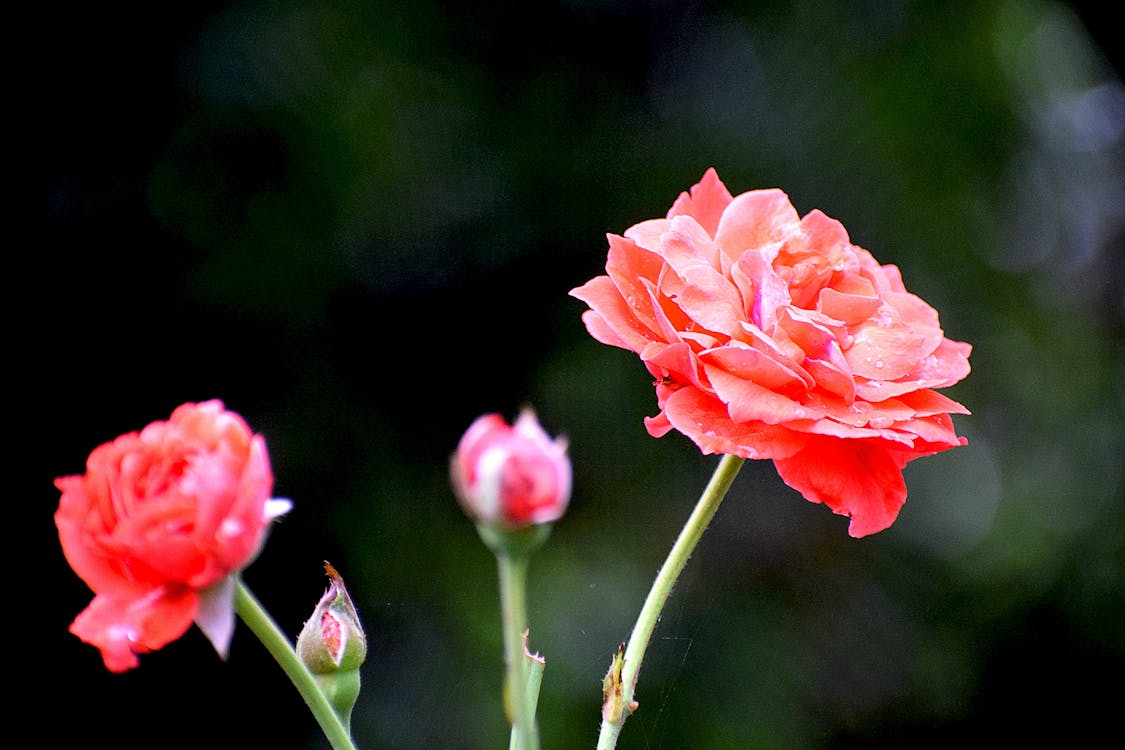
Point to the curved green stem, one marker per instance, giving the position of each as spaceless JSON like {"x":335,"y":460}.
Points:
{"x":513,"y":605}
{"x":263,"y":626}
{"x":622,"y":680}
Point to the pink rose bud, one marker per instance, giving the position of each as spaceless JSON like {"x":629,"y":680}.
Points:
{"x":332,"y":645}
{"x":511,"y":477}
{"x":333,"y":639}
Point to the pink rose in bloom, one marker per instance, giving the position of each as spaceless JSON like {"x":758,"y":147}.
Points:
{"x":159,"y":523}
{"x":771,"y":335}
{"x":511,"y":477}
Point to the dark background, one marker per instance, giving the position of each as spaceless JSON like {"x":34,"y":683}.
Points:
{"x":357,"y":224}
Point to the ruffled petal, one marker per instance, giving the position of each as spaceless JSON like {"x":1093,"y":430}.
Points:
{"x":926,"y":403}
{"x":124,"y":628}
{"x":755,"y":219}
{"x":849,"y":308}
{"x":747,"y":401}
{"x":685,"y":244}
{"x":887,"y":347}
{"x":610,"y":318}
{"x":763,"y":291}
{"x":948,"y":364}
{"x":98,"y":567}
{"x":704,"y":420}
{"x":708,"y":200}
{"x":860,"y":479}
{"x":676,"y":362}
{"x":746,"y":362}
{"x":708,"y":297}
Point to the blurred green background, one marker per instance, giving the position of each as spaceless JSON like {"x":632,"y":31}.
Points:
{"x":357,"y":224}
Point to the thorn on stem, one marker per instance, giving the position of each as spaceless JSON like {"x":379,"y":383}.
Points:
{"x":613,"y":705}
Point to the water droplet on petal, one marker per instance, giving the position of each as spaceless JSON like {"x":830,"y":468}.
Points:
{"x":231,"y":527}
{"x":122,"y":633}
{"x":879,"y":363}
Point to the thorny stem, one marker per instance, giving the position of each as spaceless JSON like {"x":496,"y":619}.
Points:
{"x":513,"y":604}
{"x":621,"y":682}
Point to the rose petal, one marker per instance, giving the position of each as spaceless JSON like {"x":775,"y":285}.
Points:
{"x":747,"y":401}
{"x":888,"y":278}
{"x":816,"y":335}
{"x":685,"y":244}
{"x":926,"y":403}
{"x":887,"y":348}
{"x":705,"y":421}
{"x":861,"y":413}
{"x":763,"y":290}
{"x":708,"y":297}
{"x":748,"y":363}
{"x":215,"y":616}
{"x":857,"y":478}
{"x":832,"y":428}
{"x":934,"y":432}
{"x":669,"y":318}
{"x":706,"y":203}
{"x":948,"y":364}
{"x":597,"y":326}
{"x":646,"y":235}
{"x":754,"y":219}
{"x":123,"y":628}
{"x":831,"y":376}
{"x":610,"y":319}
{"x":658,"y":426}
{"x":676,"y":361}
{"x":848,"y":308}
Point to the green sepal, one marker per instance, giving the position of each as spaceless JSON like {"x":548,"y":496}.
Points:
{"x":342,"y":691}
{"x":515,"y":543}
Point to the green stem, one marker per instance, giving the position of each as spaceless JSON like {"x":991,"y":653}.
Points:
{"x":263,"y":626}
{"x":670,"y":571}
{"x":513,"y":606}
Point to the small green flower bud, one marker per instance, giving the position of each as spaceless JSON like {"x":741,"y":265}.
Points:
{"x":332,"y":645}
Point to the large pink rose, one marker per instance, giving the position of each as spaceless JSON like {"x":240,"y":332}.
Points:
{"x":159,"y":523}
{"x":771,"y":335}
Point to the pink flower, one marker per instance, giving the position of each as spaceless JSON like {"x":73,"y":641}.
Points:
{"x":771,"y":335}
{"x":159,"y":523}
{"x":511,"y":477}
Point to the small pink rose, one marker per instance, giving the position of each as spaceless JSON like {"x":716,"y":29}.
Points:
{"x":158,"y":524}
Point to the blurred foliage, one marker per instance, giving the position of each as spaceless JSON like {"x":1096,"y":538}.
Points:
{"x":357,"y":224}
